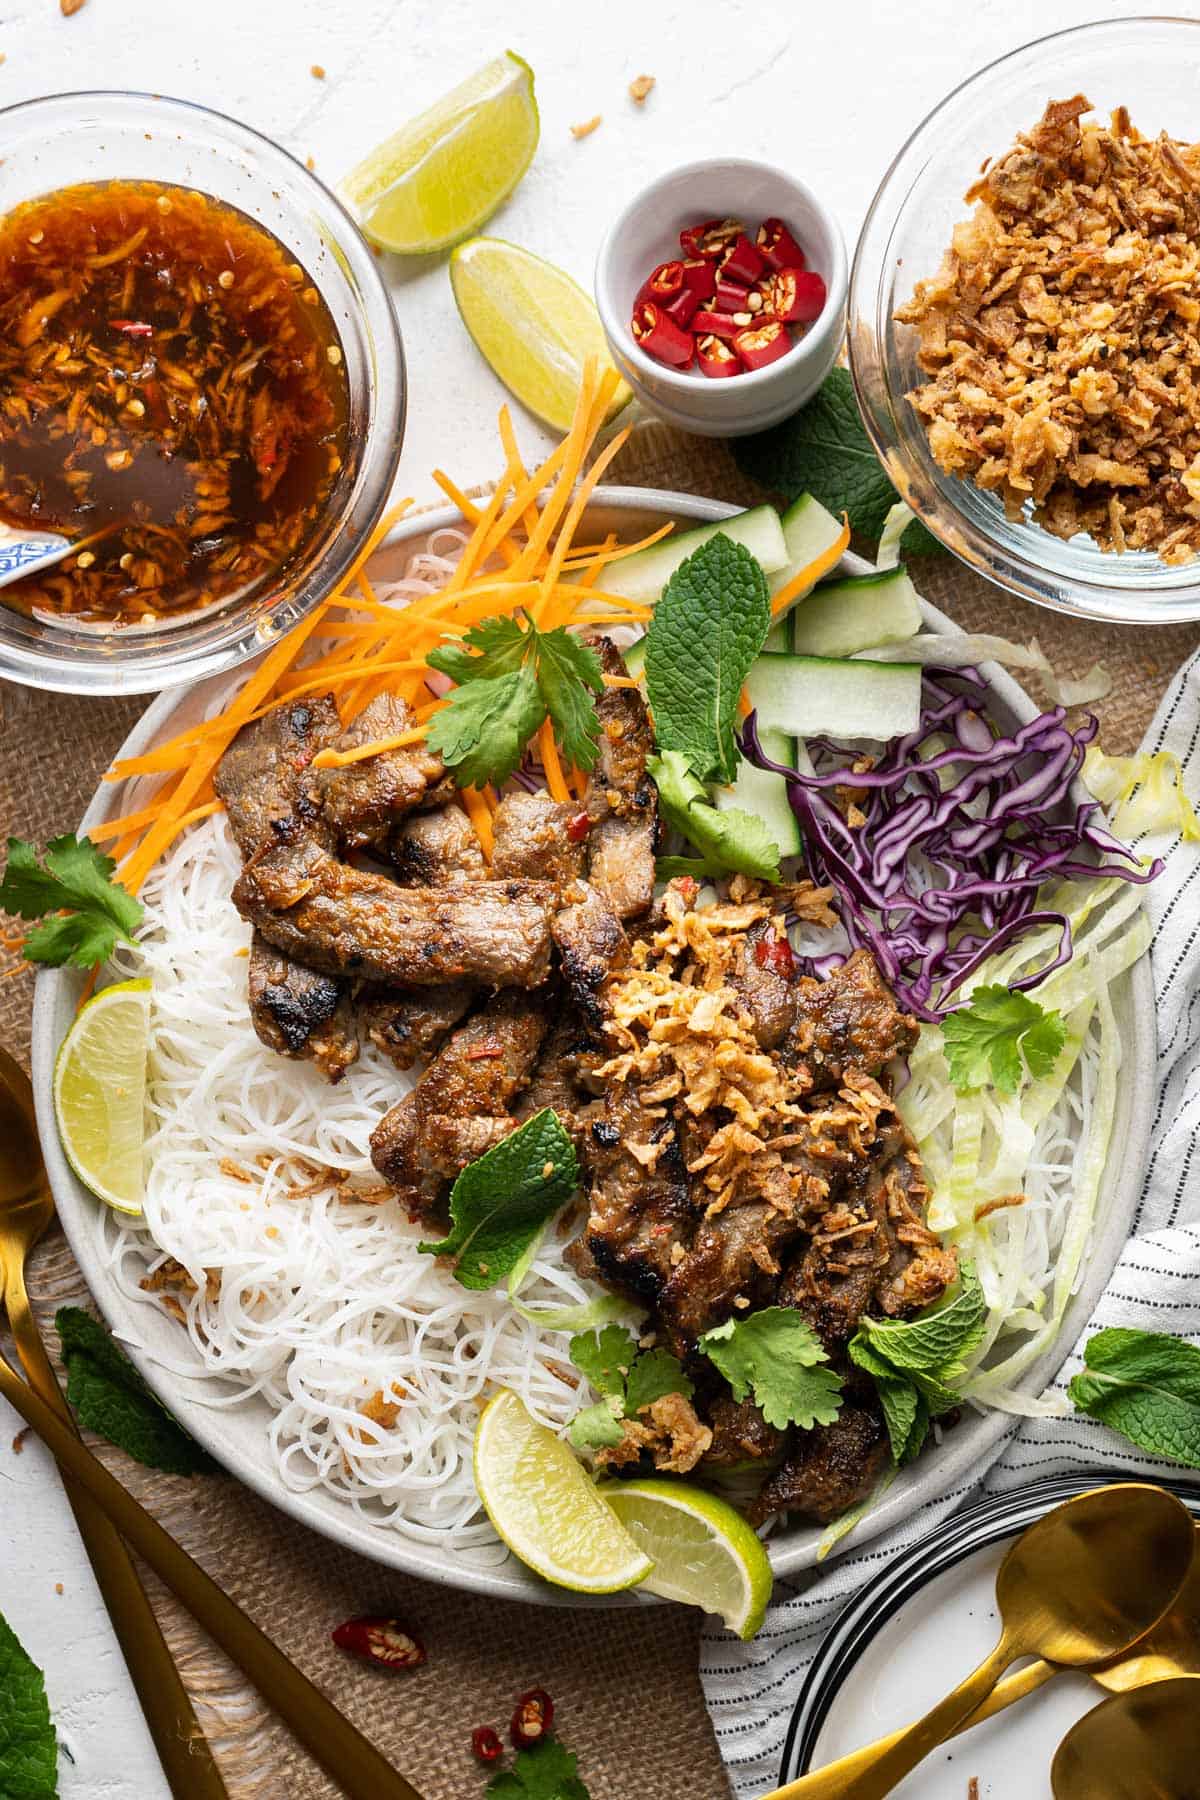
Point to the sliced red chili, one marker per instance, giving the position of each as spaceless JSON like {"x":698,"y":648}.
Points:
{"x":700,"y":277}
{"x":731,"y":296}
{"x":665,"y":282}
{"x":532,"y":1720}
{"x":486,"y":1744}
{"x":383,"y":1641}
{"x":776,"y":243}
{"x":712,"y":238}
{"x":578,"y":827}
{"x":716,"y":357}
{"x":720,"y":324}
{"x":659,"y":336}
{"x":775,"y":954}
{"x":742,"y":261}
{"x":793,"y":296}
{"x":762,"y":344}
{"x":132,"y":327}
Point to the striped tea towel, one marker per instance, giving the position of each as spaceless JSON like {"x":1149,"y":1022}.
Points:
{"x":751,"y":1688}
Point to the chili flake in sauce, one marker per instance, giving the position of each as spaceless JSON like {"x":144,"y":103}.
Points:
{"x":172,"y":391}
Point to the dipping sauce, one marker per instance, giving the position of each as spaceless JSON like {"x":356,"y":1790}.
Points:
{"x":172,"y":393}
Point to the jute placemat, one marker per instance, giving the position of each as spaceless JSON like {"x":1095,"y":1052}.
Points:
{"x":626,"y":1687}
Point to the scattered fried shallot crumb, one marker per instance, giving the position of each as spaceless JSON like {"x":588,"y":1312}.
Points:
{"x":310,"y":163}
{"x":639,"y":87}
{"x":68,"y":7}
{"x":587,"y":128}
{"x":58,"y":1587}
{"x":973,"y":1788}
{"x":317,"y":72}
{"x":18,"y":1443}
{"x":3,"y":57}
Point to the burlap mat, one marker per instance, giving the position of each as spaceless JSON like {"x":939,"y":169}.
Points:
{"x":628,"y":1696}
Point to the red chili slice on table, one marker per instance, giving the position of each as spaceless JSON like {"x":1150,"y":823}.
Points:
{"x":383,"y":1641}
{"x":486,"y":1744}
{"x":762,"y":344}
{"x":532,"y":1720}
{"x":659,"y":336}
{"x":777,"y":245}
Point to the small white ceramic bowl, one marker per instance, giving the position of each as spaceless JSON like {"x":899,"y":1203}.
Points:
{"x":647,"y":233}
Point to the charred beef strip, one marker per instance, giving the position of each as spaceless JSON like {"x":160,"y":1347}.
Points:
{"x":766,"y":981}
{"x":436,"y":849}
{"x":849,"y":1021}
{"x":350,"y":922}
{"x":642,"y":1205}
{"x":259,"y":778}
{"x":832,"y":1468}
{"x":363,"y":800}
{"x":534,"y":839}
{"x":591,"y":942}
{"x":622,"y":802}
{"x":300,"y":1013}
{"x":461,"y":1106}
{"x":740,"y":1434}
{"x":553,"y":1081}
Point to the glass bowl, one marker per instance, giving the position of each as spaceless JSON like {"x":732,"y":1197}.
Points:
{"x":53,"y":143}
{"x":1150,"y":66}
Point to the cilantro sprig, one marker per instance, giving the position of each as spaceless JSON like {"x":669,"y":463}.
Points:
{"x":512,"y":677}
{"x":112,"y":1400}
{"x":84,"y":912}
{"x":28,"y":1746}
{"x":1145,"y":1385}
{"x":628,"y":1380}
{"x":917,"y":1363}
{"x":546,"y":1772}
{"x":776,"y":1355}
{"x":501,"y":1201}
{"x":997,"y":1036}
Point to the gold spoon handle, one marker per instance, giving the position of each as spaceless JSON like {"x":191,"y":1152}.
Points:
{"x":354,"y":1763}
{"x":879,"y":1769}
{"x":183,"y":1749}
{"x":1013,"y":1688}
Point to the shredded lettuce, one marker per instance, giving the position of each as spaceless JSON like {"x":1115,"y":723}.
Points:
{"x":1145,"y":793}
{"x":589,"y":1315}
{"x":962,"y":650}
{"x":895,"y":525}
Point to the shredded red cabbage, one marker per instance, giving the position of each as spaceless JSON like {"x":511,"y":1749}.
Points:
{"x":961,"y":828}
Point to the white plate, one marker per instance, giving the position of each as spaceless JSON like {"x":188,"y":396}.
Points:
{"x":238,"y":1437}
{"x":914,"y":1631}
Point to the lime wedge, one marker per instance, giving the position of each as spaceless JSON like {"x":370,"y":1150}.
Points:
{"x":534,"y":324}
{"x":704,"y":1553}
{"x":448,"y":169}
{"x":100,"y":1093}
{"x":545,"y":1506}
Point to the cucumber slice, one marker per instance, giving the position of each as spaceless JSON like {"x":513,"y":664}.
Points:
{"x":809,"y":695}
{"x":634,"y":656}
{"x":809,"y":530}
{"x":763,"y":793}
{"x":643,"y":577}
{"x":778,"y":640}
{"x":857,"y":614}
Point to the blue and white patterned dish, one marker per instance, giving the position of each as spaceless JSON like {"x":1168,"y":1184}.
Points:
{"x":21,"y":552}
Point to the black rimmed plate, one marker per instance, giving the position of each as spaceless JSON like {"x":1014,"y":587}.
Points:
{"x":916,"y":1628}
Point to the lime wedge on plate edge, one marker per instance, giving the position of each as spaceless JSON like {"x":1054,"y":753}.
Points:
{"x":545,"y":1506}
{"x":100,"y":1093}
{"x":703,"y":1551}
{"x":534,"y":325}
{"x":446,"y":171}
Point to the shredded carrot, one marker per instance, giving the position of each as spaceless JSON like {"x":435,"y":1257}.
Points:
{"x":813,"y":571}
{"x":341,"y":759}
{"x":555,"y":779}
{"x":481,"y":820}
{"x":111,"y":828}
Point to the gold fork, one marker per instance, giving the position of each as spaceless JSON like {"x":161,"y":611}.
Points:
{"x":26,"y":1209}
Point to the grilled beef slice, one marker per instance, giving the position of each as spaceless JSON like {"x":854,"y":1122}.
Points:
{"x":740,"y":1433}
{"x":300,"y":1013}
{"x":849,"y":1021}
{"x":591,"y":942}
{"x":533,"y":839}
{"x":260,"y":776}
{"x":362,"y":801}
{"x":622,"y":801}
{"x":437,"y":849}
{"x":349,"y":921}
{"x":769,"y":995}
{"x":640,"y":1209}
{"x":461,"y":1105}
{"x":832,"y":1468}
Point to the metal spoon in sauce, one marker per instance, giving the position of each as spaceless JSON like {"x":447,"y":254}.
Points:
{"x":1143,"y":1745}
{"x":23,"y":552}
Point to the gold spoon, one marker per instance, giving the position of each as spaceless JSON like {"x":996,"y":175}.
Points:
{"x":26,"y":1210}
{"x":1171,"y":1648}
{"x":1080,"y":1586}
{"x":1144,"y":1745}
{"x":352,"y":1760}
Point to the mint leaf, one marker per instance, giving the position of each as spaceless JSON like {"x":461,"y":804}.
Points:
{"x":597,"y":1427}
{"x":567,"y":669}
{"x":776,"y":1354}
{"x":654,"y":1374}
{"x":905,"y":1410}
{"x":990,"y":1039}
{"x":547,"y":1772}
{"x":77,"y":879}
{"x":28,"y":1747}
{"x":730,"y":842}
{"x":112,"y":1400}
{"x":605,"y":1357}
{"x":1146,"y":1385}
{"x":482,"y":731}
{"x":824,"y":450}
{"x":504,"y":1197}
{"x":933,"y":1346}
{"x":708,"y":627}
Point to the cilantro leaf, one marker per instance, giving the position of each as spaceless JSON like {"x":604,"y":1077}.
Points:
{"x":824,"y":450}
{"x":777,"y":1353}
{"x":708,"y":627}
{"x":1146,"y":1385}
{"x":734,"y":841}
{"x":654,"y":1374}
{"x":77,"y":879}
{"x":605,"y":1357}
{"x":112,"y":1400}
{"x":504,"y":1197}
{"x":28,"y":1746}
{"x":989,"y":1039}
{"x":482,"y":731}
{"x":597,"y":1427}
{"x":501,"y":644}
{"x":934,"y":1346}
{"x":567,"y":669}
{"x":547,"y":1772}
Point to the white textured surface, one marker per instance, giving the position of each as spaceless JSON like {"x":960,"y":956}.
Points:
{"x":829,"y":91}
